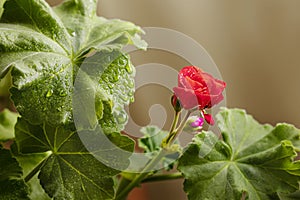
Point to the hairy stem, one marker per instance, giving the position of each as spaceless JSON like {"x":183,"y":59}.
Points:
{"x":163,"y":177}
{"x":123,"y":192}
{"x":138,"y":179}
{"x":173,"y":135}
{"x":175,"y":121}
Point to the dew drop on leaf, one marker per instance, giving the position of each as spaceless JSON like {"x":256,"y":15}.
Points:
{"x":121,"y":117}
{"x":49,"y":93}
{"x":129,"y":69}
{"x":124,"y":98}
{"x":62,"y":93}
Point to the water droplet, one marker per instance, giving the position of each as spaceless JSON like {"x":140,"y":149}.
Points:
{"x":115,"y":78}
{"x":62,"y":93}
{"x":131,"y":83}
{"x":129,"y":68}
{"x":130,"y":93}
{"x":124,"y":98}
{"x":122,"y":62}
{"x":122,"y":117}
{"x":111,"y":86}
{"x":49,"y":93}
{"x":106,"y":79}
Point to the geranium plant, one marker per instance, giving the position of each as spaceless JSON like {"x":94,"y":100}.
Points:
{"x":69,"y":81}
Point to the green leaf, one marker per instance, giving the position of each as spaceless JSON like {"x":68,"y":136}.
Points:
{"x":8,"y":120}
{"x":13,"y":189}
{"x":9,"y":167}
{"x":5,"y":84}
{"x":94,"y":32}
{"x":253,"y":160}
{"x":28,"y":162}
{"x":292,"y":196}
{"x":11,"y":184}
{"x":39,"y":16}
{"x":44,"y":49}
{"x":1,"y":7}
{"x":72,"y":171}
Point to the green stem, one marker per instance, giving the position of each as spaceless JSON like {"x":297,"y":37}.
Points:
{"x":163,"y":177}
{"x":122,"y":184}
{"x":175,"y":121}
{"x":35,"y":170}
{"x":122,"y":191}
{"x":173,"y":135}
{"x":181,"y":125}
{"x":137,"y":180}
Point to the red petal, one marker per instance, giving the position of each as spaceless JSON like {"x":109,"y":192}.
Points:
{"x":187,"y":97}
{"x":209,"y":119}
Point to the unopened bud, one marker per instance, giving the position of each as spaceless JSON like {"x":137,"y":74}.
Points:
{"x":194,"y":124}
{"x":176,"y":103}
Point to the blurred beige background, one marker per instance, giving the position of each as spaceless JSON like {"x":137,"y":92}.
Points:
{"x":255,"y":44}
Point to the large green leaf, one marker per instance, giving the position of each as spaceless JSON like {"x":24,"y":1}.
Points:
{"x":8,"y":120}
{"x":11,"y":184}
{"x":44,"y":50}
{"x":75,"y":170}
{"x":254,"y":160}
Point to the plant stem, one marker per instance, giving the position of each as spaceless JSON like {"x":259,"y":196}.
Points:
{"x":173,"y":135}
{"x":122,"y":184}
{"x":137,"y":180}
{"x":175,"y":121}
{"x":35,"y":170}
{"x":122,"y":191}
{"x":163,"y":177}
{"x":181,"y":125}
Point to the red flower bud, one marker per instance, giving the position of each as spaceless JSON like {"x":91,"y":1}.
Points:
{"x":175,"y":103}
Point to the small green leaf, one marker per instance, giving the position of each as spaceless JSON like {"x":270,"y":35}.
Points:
{"x":151,"y":143}
{"x":253,"y":160}
{"x":152,"y":139}
{"x":11,"y":184}
{"x":8,"y":120}
{"x":72,"y":171}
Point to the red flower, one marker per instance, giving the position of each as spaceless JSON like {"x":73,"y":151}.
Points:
{"x":197,"y":88}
